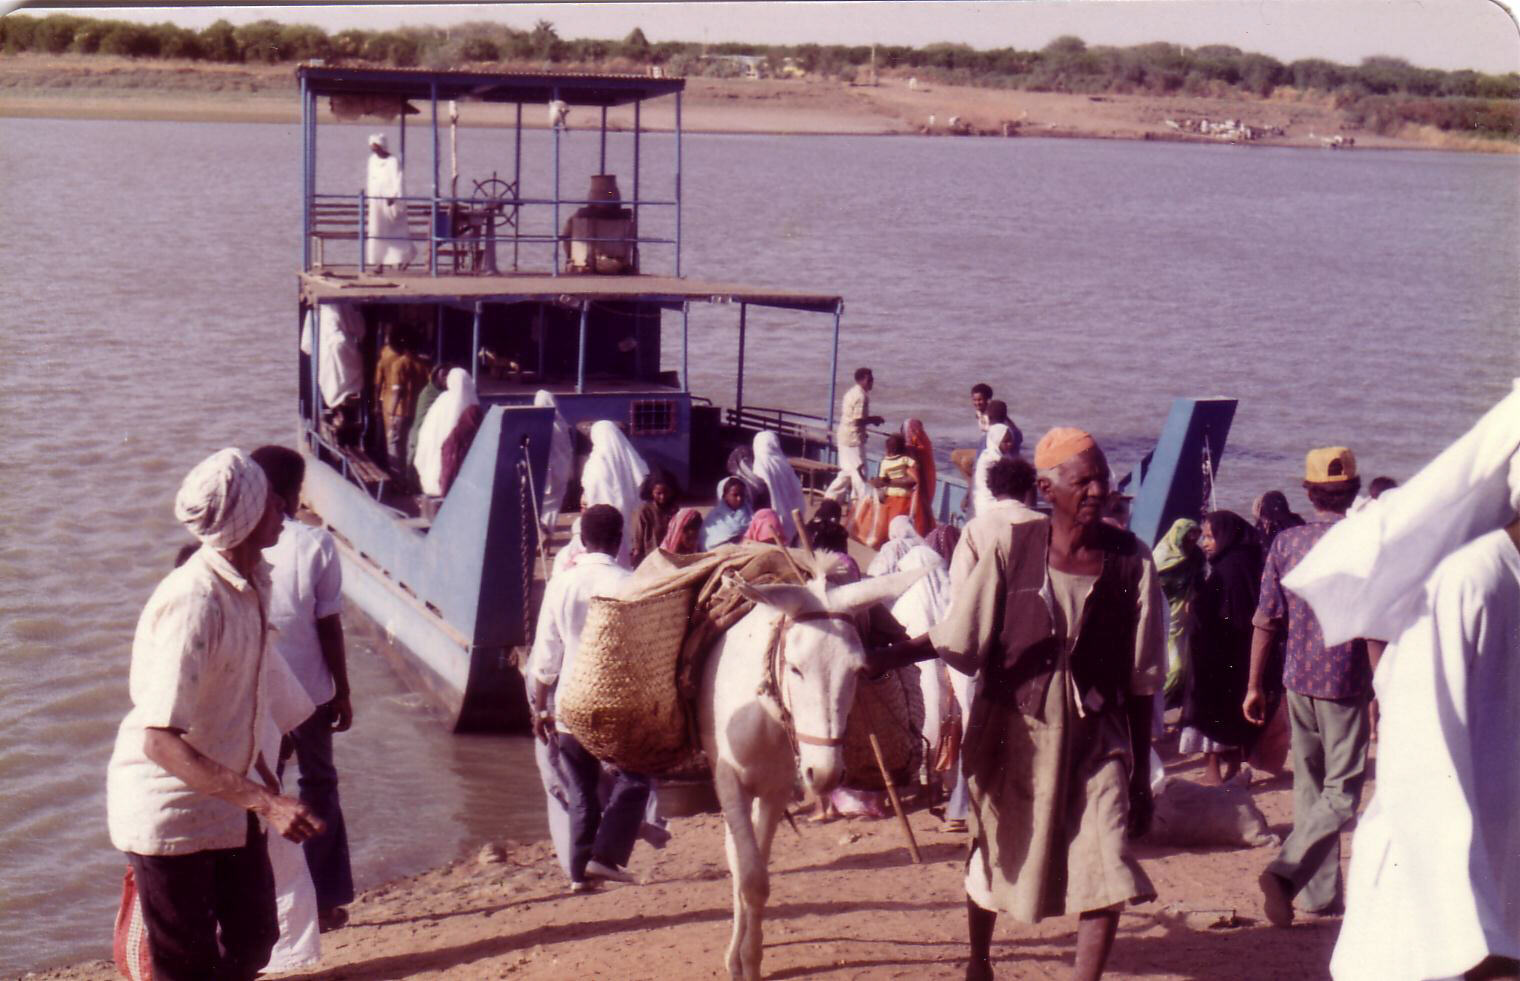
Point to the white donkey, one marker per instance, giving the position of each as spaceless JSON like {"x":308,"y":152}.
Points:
{"x":786,"y":671}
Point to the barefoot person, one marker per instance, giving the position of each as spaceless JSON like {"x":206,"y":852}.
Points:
{"x":186,"y":788}
{"x":1069,"y":639}
{"x":854,"y":417}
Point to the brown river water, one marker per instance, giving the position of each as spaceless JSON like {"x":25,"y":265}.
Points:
{"x":146,"y":319}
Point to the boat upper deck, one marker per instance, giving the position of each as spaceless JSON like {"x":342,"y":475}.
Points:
{"x":524,"y":87}
{"x":571,"y":290}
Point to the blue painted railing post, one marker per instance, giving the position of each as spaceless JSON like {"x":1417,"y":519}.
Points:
{"x":316,"y":387}
{"x":306,"y":134}
{"x":637,"y":124}
{"x":678,"y":184}
{"x":554,"y":125}
{"x":834,"y":364}
{"x":580,"y":366}
{"x":363,"y":215}
{"x":433,"y":213}
{"x":739,"y":388}
{"x":475,"y":342}
{"x":517,"y":188}
{"x":685,"y":347}
{"x":603,"y":168}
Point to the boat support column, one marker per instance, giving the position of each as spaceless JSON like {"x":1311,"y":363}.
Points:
{"x":685,"y":347}
{"x":739,"y":386}
{"x":475,"y":342}
{"x":834,"y":364}
{"x":636,"y":126}
{"x":517,"y":192}
{"x":580,"y":367}
{"x":555,"y":232}
{"x":316,"y":387}
{"x":433,"y":213}
{"x":306,"y":139}
{"x":678,"y":185}
{"x":603,"y":168}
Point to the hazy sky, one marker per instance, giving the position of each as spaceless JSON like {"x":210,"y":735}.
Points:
{"x":1448,"y":34}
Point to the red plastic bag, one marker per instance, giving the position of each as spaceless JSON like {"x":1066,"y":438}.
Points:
{"x":129,"y":946}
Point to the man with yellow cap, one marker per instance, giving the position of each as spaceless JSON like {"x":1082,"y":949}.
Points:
{"x":1062,"y":618}
{"x":186,"y":785}
{"x":1328,"y":691}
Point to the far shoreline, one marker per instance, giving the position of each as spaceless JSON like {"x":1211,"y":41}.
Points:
{"x":119,"y":89}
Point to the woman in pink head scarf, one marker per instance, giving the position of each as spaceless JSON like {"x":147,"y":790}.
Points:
{"x":684,"y":535}
{"x":765,"y":527}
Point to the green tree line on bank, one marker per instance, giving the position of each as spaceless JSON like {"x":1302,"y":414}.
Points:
{"x":1380,"y":94}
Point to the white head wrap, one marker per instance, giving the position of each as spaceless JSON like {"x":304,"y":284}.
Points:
{"x":1365,"y":577}
{"x":379,"y":140}
{"x":561,"y":464}
{"x":901,"y":538}
{"x":221,"y":500}
{"x":981,"y":494}
{"x":772,"y":466}
{"x":927,"y":601}
{"x":442,"y":416}
{"x":613,"y":473}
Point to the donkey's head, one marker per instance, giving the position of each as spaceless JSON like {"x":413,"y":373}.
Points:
{"x":819,"y":661}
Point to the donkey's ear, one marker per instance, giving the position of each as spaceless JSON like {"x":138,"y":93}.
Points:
{"x":880,"y":589}
{"x":786,"y":598}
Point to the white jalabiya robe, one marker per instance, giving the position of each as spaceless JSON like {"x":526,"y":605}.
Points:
{"x":340,"y":366}
{"x":295,"y":896}
{"x":772,"y":466}
{"x":612,"y":475}
{"x":1434,"y":885}
{"x":442,"y":416}
{"x":923,"y":605}
{"x":387,"y":239}
{"x":981,"y":493}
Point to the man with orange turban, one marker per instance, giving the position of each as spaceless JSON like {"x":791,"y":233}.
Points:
{"x":1063,"y":618}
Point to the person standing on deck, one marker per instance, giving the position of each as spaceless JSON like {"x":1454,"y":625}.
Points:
{"x":854,"y":417}
{"x":964,"y":459}
{"x":600,"y":838}
{"x":304,"y":606}
{"x":399,"y":379}
{"x":1064,"y":619}
{"x":1327,"y":696}
{"x":387,"y":239}
{"x":186,"y":786}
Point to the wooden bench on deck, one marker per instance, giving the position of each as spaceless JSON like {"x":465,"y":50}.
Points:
{"x":338,"y":221}
{"x":370,"y":475}
{"x":810,"y":472}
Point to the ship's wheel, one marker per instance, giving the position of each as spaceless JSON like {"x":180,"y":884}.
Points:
{"x":498,"y":199}
{"x":491,"y":208}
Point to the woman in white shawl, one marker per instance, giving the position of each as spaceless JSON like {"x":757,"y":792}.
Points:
{"x":612,"y":475}
{"x":923,"y":605}
{"x":387,"y":239}
{"x":1000,"y":443}
{"x":772,"y":466}
{"x":902,"y":537}
{"x":443,"y":415}
{"x":561,"y":463}
{"x":340,"y":366}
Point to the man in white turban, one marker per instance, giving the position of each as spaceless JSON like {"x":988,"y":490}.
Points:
{"x":387,"y":239}
{"x":1434,"y":568}
{"x":186,"y":787}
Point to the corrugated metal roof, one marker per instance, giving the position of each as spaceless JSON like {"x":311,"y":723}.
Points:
{"x":526,"y":87}
{"x":572,"y":289}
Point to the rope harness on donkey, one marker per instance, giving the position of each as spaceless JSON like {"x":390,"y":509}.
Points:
{"x":770,"y":687}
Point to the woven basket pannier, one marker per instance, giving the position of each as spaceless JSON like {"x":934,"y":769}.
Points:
{"x":619,"y":699}
{"x":893,"y":710}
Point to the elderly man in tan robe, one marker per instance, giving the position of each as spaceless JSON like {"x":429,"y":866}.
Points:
{"x":1061,"y":618}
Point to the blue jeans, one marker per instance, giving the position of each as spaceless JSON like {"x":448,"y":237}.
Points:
{"x":606,"y":833}
{"x":327,"y":853}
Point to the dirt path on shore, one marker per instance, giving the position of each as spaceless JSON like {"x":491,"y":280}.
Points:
{"x":846,"y":902}
{"x":101,"y":87}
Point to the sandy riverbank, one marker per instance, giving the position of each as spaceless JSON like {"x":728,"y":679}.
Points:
{"x":846,"y":902}
{"x":98,"y":87}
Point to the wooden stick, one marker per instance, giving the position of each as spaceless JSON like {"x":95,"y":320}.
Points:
{"x":902,"y":818}
{"x":802,"y":536}
{"x":786,"y":553}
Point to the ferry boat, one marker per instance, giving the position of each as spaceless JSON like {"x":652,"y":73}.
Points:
{"x":529,"y":286}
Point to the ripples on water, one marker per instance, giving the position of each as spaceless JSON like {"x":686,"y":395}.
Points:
{"x":1364,"y":298}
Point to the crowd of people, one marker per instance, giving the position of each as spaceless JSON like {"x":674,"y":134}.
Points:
{"x":1046,"y":643}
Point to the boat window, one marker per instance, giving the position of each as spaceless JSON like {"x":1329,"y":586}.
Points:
{"x":651,"y":417}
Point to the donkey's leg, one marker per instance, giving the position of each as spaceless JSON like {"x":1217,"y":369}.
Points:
{"x":743,"y":858}
{"x":766,"y":815}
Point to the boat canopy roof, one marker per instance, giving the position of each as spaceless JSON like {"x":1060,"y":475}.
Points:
{"x":518,"y":288}
{"x":525,"y":87}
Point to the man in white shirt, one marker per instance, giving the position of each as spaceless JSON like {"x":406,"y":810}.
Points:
{"x":180,"y":795}
{"x":601,"y":837}
{"x":854,"y":417}
{"x":305,"y":602}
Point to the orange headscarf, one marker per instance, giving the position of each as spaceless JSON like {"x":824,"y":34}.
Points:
{"x":1060,"y":445}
